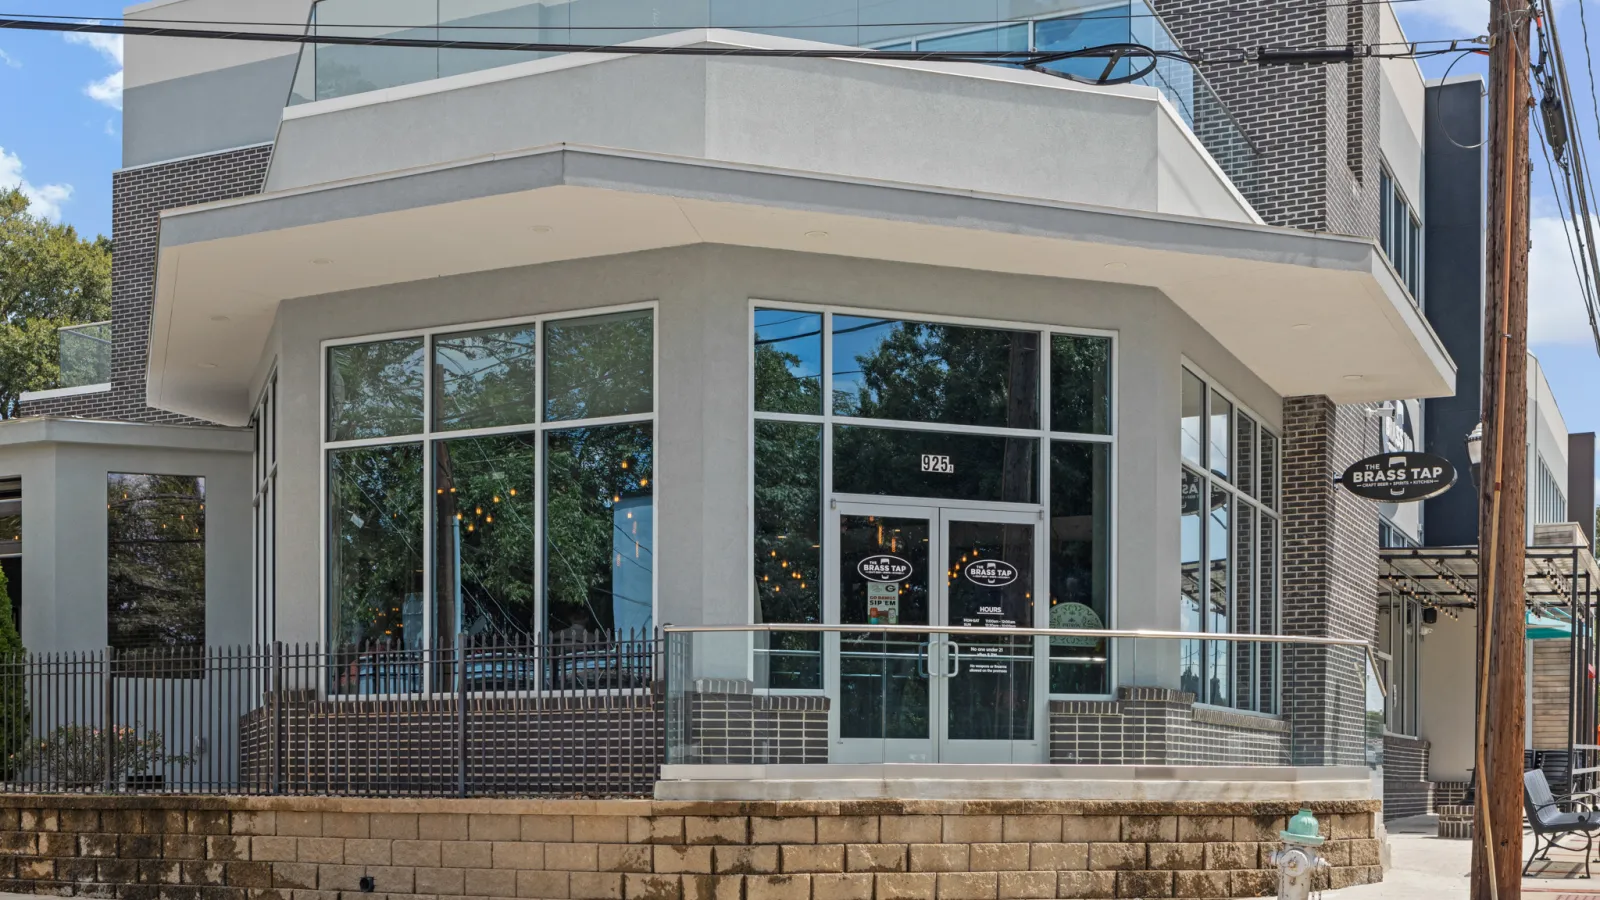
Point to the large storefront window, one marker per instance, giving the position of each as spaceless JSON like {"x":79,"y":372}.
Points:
{"x":1228,"y":560}
{"x":472,"y":493}
{"x":940,"y":415}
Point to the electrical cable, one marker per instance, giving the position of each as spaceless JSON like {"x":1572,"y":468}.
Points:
{"x":1438,"y":116}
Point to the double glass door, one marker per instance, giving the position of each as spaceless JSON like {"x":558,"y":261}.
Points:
{"x":931,"y":697}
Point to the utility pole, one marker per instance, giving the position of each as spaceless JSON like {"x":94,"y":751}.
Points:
{"x":1502,"y":623}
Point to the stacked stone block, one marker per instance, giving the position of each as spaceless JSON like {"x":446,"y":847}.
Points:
{"x":180,"y":848}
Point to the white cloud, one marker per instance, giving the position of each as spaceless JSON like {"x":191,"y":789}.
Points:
{"x":9,"y":61}
{"x":1556,"y":311}
{"x":43,"y":200}
{"x":107,"y":90}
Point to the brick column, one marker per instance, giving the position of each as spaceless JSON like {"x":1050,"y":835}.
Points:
{"x":138,"y":197}
{"x":1330,"y":577}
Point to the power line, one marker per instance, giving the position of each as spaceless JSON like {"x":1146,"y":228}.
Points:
{"x":1115,"y":52}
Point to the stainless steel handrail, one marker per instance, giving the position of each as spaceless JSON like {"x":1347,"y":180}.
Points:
{"x":1024,"y":632}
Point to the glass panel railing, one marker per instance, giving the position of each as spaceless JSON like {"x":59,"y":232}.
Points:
{"x":328,"y":71}
{"x":85,"y":353}
{"x":755,"y":695}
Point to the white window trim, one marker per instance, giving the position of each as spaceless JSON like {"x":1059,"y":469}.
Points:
{"x":826,"y":420}
{"x":428,"y":436}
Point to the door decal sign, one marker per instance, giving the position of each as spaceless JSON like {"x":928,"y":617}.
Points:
{"x":990,"y":572}
{"x":884,"y":568}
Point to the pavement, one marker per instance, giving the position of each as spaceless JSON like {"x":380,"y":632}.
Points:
{"x":1423,"y":865}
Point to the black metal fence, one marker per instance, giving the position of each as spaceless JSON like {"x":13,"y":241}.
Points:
{"x":582,"y":717}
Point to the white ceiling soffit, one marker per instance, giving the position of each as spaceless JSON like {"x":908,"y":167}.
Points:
{"x":1309,"y":313}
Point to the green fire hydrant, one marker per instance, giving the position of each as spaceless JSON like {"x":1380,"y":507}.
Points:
{"x":1299,"y":858}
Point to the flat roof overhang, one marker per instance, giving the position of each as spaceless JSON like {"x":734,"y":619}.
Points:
{"x":225,"y":267}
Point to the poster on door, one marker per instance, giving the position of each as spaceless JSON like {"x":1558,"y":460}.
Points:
{"x":883,"y":603}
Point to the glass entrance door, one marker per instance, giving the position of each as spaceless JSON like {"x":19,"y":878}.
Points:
{"x":934,"y":698}
{"x":989,"y":687}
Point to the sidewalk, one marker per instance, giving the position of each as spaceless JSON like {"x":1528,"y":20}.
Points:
{"x":1425,"y":866}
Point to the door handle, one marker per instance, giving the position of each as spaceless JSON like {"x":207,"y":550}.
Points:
{"x":922,"y":659}
{"x":954,"y":659}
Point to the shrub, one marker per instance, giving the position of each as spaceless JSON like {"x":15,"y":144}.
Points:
{"x":74,"y":756}
{"x":14,"y":718}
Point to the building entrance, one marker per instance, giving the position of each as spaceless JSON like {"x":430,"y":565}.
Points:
{"x":932,"y":697}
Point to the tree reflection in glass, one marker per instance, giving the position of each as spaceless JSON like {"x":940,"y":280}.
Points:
{"x":788,"y":555}
{"x":1080,"y":384}
{"x":485,"y":379}
{"x":155,"y":561}
{"x":788,"y":361}
{"x":889,"y":462}
{"x":375,"y":547}
{"x":375,"y":390}
{"x":1191,"y":586}
{"x":485,"y":540}
{"x":599,"y":531}
{"x":931,"y":372}
{"x":599,"y":366}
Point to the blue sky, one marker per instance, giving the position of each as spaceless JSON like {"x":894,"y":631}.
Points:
{"x":61,"y":136}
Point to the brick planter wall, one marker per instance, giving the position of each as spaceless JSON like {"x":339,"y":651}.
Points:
{"x":225,"y":848}
{"x":1157,"y":726}
{"x":1406,"y":788}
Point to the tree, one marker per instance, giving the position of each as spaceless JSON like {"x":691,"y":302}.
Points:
{"x":49,"y":278}
{"x":14,"y":714}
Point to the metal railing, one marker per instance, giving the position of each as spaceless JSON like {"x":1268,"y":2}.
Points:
{"x":580,"y":717}
{"x":812,"y":693}
{"x":85,"y":354}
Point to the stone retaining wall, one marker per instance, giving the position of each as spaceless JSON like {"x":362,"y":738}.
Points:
{"x":214,"y":848}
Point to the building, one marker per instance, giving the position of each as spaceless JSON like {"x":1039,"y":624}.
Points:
{"x":414,"y":375}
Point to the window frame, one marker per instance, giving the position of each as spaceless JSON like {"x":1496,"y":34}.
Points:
{"x":1240,"y":499}
{"x":264,"y":511}
{"x":827,"y":419}
{"x":429,"y":436}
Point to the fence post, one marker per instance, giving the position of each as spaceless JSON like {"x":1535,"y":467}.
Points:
{"x":108,"y":712}
{"x":275,"y":697}
{"x":461,"y":715}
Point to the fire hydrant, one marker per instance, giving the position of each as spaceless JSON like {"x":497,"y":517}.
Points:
{"x":1298,"y":859}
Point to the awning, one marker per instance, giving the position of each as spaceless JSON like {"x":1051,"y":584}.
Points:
{"x":1548,"y":628}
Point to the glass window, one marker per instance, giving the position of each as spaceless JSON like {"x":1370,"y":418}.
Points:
{"x":788,"y":547}
{"x":1080,"y":564}
{"x":1191,"y":541}
{"x":929,"y":372}
{"x":1107,"y":25}
{"x":1006,"y":37}
{"x":485,"y":379}
{"x":1385,"y":217}
{"x":375,"y":390}
{"x":1221,"y":433}
{"x":1080,"y":384}
{"x":599,"y":531}
{"x":1218,"y":608}
{"x":944,"y":465}
{"x":1194,"y":410}
{"x":1268,"y":468}
{"x":788,"y":361}
{"x":485,"y":539}
{"x":155,"y":561}
{"x":1414,"y":259}
{"x":375,"y":546}
{"x":600,"y":366}
{"x":1244,"y":449}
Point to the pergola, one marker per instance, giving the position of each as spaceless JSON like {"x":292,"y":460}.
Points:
{"x":1559,"y":587}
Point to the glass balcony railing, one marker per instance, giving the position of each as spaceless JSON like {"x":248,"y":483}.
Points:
{"x":335,"y":70}
{"x":85,"y":352}
{"x":816,"y":694}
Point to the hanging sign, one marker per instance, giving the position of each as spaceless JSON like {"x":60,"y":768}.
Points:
{"x":1400,"y":477}
{"x":990,"y":572}
{"x":884,"y":568}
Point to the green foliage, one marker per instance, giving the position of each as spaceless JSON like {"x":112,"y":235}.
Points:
{"x":14,"y":713}
{"x":49,"y":278}
{"x":74,"y":756}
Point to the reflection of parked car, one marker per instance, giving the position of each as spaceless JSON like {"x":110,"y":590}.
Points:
{"x":599,"y":666}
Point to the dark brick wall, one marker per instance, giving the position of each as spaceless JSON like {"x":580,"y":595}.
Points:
{"x":138,"y":196}
{"x":1406,"y":788}
{"x":1318,"y":161}
{"x":1157,"y":726}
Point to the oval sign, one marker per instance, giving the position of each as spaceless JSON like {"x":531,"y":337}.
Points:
{"x":1400,"y":477}
{"x":990,"y":572}
{"x":884,"y":568}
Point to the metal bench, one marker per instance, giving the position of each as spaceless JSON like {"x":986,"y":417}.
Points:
{"x":1552,"y":819}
